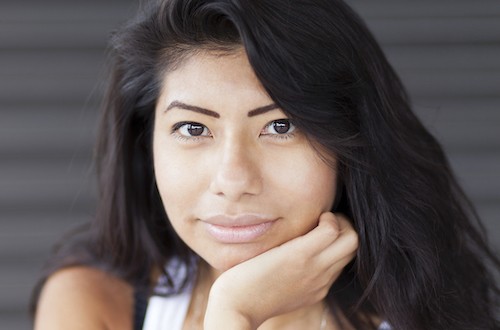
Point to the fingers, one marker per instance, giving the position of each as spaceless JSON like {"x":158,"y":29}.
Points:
{"x":343,"y":249}
{"x":324,"y":234}
{"x":330,"y":228}
{"x":332,"y":240}
{"x":331,"y":224}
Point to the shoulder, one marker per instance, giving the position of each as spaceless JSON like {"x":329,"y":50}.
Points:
{"x":84,"y":298}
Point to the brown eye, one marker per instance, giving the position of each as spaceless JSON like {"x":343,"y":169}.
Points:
{"x":195,"y":129}
{"x":191,"y":129}
{"x":281,"y":126}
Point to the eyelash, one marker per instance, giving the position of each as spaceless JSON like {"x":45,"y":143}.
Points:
{"x":184,"y":138}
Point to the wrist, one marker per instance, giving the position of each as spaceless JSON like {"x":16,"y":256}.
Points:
{"x":222,"y":313}
{"x":226,"y":319}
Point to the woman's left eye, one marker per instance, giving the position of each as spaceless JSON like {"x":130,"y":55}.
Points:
{"x":279,"y":127}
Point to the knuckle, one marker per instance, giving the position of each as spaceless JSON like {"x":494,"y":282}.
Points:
{"x":352,"y":239}
{"x":331,"y":229}
{"x":301,"y":260}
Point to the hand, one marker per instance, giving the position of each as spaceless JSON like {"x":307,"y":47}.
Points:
{"x":295,"y":274}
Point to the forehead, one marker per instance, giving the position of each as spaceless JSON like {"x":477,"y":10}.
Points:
{"x":211,"y":76}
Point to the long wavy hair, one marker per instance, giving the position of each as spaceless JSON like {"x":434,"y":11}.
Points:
{"x":422,"y":261}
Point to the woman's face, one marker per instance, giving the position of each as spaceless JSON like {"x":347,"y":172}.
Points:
{"x":236,"y":178}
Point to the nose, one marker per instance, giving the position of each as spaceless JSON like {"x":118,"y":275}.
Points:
{"x":237,"y":171}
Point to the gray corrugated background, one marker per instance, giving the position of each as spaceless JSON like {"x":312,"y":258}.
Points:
{"x":51,"y":63}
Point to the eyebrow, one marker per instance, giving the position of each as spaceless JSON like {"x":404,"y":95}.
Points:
{"x":180,"y":105}
{"x":211,"y":113}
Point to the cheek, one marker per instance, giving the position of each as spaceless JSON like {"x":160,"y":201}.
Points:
{"x":304,"y":188}
{"x":172,"y":177}
{"x":307,"y":181}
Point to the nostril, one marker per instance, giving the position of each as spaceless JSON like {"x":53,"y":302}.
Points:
{"x":235,"y":179}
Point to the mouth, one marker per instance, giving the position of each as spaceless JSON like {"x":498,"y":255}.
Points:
{"x":239,"y":229}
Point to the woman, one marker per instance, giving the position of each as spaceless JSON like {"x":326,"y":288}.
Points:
{"x":260,"y":167}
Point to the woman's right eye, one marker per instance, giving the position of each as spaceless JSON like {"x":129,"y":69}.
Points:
{"x":191,"y":130}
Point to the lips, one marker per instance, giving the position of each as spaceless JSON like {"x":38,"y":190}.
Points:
{"x":238,"y":229}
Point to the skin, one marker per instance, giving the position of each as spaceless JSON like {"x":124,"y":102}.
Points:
{"x":84,"y":298}
{"x":277,"y":280}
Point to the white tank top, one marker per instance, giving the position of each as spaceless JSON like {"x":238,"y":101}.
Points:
{"x":166,"y":312}
{"x":167,"y":308}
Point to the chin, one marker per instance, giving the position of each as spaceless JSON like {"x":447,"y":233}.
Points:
{"x":223,"y":264}
{"x":225,"y":260}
